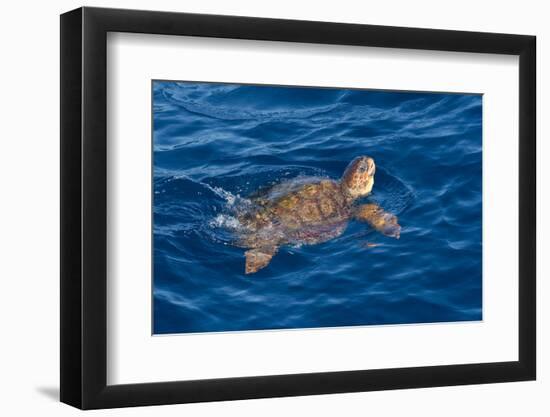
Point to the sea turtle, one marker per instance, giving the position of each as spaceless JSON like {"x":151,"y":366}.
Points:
{"x":310,"y":211}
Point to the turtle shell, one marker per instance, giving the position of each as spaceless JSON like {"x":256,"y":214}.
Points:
{"x":300,"y":211}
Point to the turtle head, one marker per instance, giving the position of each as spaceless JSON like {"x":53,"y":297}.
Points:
{"x":358,"y":178}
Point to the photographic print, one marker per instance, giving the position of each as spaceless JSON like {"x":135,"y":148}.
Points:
{"x":294,"y":207}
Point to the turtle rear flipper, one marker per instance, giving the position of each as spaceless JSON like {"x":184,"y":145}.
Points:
{"x":380,"y":220}
{"x":258,"y":258}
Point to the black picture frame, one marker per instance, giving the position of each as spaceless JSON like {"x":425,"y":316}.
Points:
{"x":84,"y":207}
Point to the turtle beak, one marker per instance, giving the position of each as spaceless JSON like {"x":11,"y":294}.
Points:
{"x":371,"y":167}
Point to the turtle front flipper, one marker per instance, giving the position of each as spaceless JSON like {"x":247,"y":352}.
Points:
{"x":258,"y":258}
{"x":380,"y":220}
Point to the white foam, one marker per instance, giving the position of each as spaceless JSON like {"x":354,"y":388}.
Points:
{"x":225,"y":221}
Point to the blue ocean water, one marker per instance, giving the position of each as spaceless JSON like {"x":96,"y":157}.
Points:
{"x":215,"y":144}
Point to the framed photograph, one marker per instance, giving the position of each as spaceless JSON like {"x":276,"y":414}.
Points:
{"x":258,"y":208}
